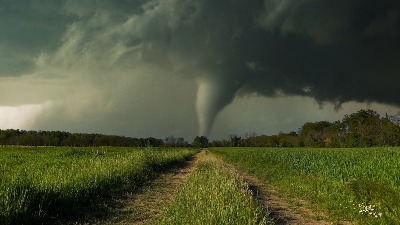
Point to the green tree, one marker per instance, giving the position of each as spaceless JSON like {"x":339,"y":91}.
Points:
{"x":170,"y":141}
{"x":200,"y":142}
{"x":315,"y":134}
{"x":234,"y":140}
{"x":362,"y":128}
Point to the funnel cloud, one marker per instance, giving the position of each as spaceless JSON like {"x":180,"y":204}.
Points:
{"x":156,"y":67}
{"x":212,"y":96}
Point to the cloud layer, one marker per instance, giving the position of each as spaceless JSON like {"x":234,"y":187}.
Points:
{"x":105,"y":65}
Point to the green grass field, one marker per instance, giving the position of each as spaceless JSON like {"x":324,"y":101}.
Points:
{"x":213,"y":194}
{"x":45,"y":184}
{"x":39,"y":183}
{"x":348,"y":184}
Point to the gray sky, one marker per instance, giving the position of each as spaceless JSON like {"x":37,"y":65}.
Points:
{"x":180,"y":67}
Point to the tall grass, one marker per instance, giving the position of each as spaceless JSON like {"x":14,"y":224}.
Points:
{"x":214,"y":195}
{"x":39,"y":183}
{"x":353,"y":184}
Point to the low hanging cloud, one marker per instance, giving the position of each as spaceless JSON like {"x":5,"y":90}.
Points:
{"x":121,"y":61}
{"x":16,"y":117}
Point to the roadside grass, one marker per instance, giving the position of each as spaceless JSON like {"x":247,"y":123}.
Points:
{"x":41,"y":185}
{"x":213,"y":194}
{"x":145,"y":205}
{"x":360,"y":185}
{"x":141,"y":206}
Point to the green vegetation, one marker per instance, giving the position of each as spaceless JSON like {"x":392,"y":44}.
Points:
{"x":365,"y":128}
{"x":361,"y":184}
{"x":37,"y":184}
{"x":61,"y":138}
{"x":200,"y":142}
{"x":214,"y":195}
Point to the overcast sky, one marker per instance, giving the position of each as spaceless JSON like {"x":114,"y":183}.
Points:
{"x":156,"y":68}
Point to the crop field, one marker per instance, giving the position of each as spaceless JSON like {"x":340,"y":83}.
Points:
{"x":359,"y":184}
{"x":39,"y":183}
{"x":43,"y":185}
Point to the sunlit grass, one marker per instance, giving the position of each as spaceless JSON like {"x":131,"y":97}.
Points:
{"x":349,"y":184}
{"x":214,"y":195}
{"x":39,"y":183}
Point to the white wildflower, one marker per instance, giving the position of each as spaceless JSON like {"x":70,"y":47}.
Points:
{"x":368,"y":210}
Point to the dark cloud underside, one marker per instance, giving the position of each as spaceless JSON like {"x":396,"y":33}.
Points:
{"x":332,"y":51}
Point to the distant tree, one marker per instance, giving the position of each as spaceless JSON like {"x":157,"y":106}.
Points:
{"x":337,"y":135}
{"x":153,"y":142}
{"x":180,"y":142}
{"x":200,"y":142}
{"x":220,"y":143}
{"x":170,"y":141}
{"x":390,"y":132}
{"x":315,"y":134}
{"x":102,"y":140}
{"x":362,"y":128}
{"x":288,"y":139}
{"x":246,"y":140}
{"x":234,"y":140}
{"x":60,"y":138}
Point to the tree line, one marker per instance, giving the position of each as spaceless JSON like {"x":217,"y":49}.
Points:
{"x":365,"y":128}
{"x":61,"y":138}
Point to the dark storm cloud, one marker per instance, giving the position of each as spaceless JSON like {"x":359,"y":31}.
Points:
{"x":332,"y":51}
{"x":26,"y":29}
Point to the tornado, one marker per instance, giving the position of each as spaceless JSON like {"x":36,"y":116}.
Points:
{"x":213,"y":94}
